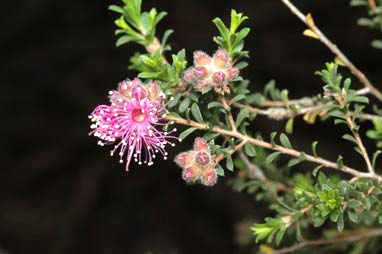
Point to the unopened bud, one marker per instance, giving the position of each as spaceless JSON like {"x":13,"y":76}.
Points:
{"x":201,"y":58}
{"x":202,"y":158}
{"x":191,"y":174}
{"x":220,"y":58}
{"x":200,"y":72}
{"x":201,"y":145}
{"x":218,"y":77}
{"x":209,"y":176}
{"x":184,"y":159}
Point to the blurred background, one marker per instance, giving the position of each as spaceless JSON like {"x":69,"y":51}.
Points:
{"x":61,"y":193}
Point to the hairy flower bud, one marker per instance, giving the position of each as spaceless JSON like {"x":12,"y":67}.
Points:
{"x":201,"y":58}
{"x":218,"y":77}
{"x":191,"y":174}
{"x":200,"y":72}
{"x":197,"y":164}
{"x":184,"y":159}
{"x":215,"y":72}
{"x":202,"y":158}
{"x":209,"y":176}
{"x":220,"y":58}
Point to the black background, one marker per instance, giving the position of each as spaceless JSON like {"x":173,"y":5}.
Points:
{"x":61,"y":193}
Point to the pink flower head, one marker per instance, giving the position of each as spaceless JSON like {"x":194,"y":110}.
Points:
{"x":198,"y":164}
{"x":131,"y":122}
{"x":215,"y":72}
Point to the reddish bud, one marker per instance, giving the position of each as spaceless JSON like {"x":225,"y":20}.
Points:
{"x":209,"y":176}
{"x":189,"y":76}
{"x":200,"y":72}
{"x":153,"y":89}
{"x":201,"y":145}
{"x":218,"y":77}
{"x":220,"y":58}
{"x":184,"y":159}
{"x":201,"y":58}
{"x":231,"y":73}
{"x":202,"y":158}
{"x":124,"y":89}
{"x":191,"y":174}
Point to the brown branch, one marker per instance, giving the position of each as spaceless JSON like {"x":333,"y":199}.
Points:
{"x":308,"y":20}
{"x":352,"y":237}
{"x":284,"y":150}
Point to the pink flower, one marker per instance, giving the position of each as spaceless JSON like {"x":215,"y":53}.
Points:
{"x":215,"y":72}
{"x":198,"y":165}
{"x":131,"y":122}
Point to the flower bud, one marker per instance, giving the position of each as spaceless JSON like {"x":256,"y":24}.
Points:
{"x":202,"y":158}
{"x":201,"y":145}
{"x":231,"y":73}
{"x":124,"y":89}
{"x":191,"y":174}
{"x":200,"y":72}
{"x":218,"y":77}
{"x":184,"y":159}
{"x":201,"y":58}
{"x":209,"y":176}
{"x":220,"y":58}
{"x":153,"y":89}
{"x":189,"y":76}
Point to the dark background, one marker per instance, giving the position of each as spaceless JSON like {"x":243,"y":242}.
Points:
{"x":61,"y":193}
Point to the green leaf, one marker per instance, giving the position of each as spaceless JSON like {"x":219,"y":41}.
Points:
{"x":375,"y":156}
{"x":237,"y":98}
{"x":316,"y":170}
{"x":187,"y":132}
{"x":272,"y":157}
{"x":285,"y":141}
{"x":249,"y":150}
{"x":229,"y":163}
{"x":296,"y":161}
{"x":314,"y":148}
{"x":196,"y":113}
{"x":340,"y":222}
{"x":184,"y":105}
{"x":116,"y":8}
{"x":244,"y":113}
{"x":122,"y":40}
{"x":350,"y":138}
{"x":273,"y":135}
{"x":280,"y":234}
{"x":214,"y":104}
{"x":354,"y":203}
{"x":376,"y":44}
{"x":289,"y":126}
{"x":352,"y":216}
{"x":219,"y":170}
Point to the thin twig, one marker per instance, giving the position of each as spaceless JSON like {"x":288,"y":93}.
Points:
{"x":232,"y":151}
{"x":362,"y":148}
{"x":308,"y":20}
{"x":281,"y":113}
{"x":229,"y":115}
{"x":284,"y":150}
{"x":353,"y":237}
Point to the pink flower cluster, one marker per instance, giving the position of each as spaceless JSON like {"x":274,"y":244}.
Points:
{"x":198,"y":164}
{"x":214,"y":72}
{"x":131,"y":122}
